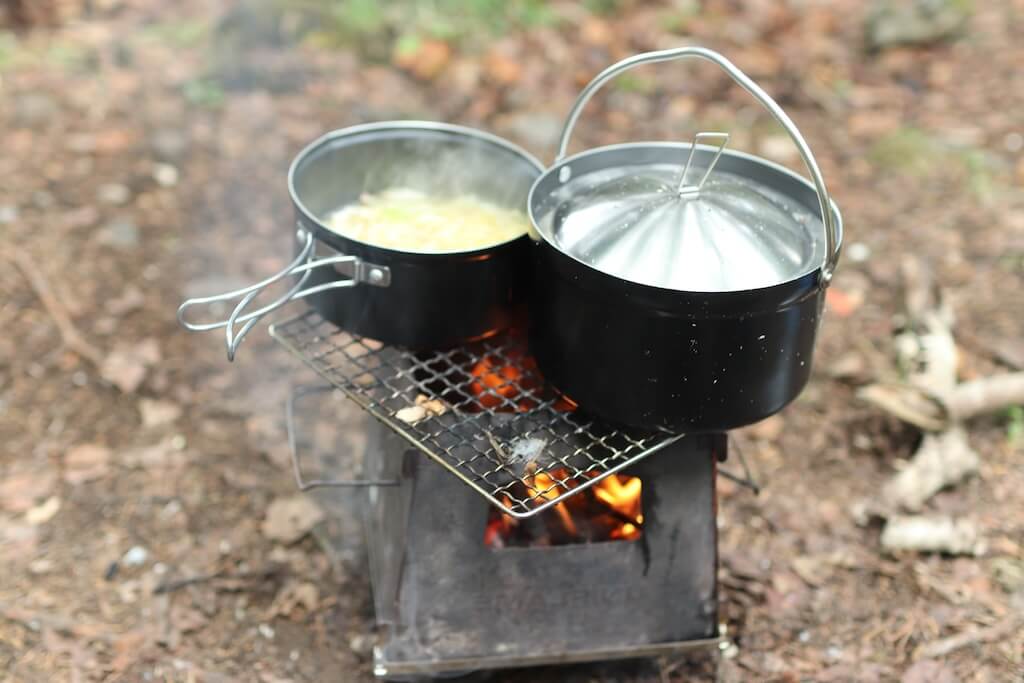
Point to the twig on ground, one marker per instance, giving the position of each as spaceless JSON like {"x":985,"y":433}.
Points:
{"x":70,"y":335}
{"x":35,"y":621}
{"x":177,"y":584}
{"x":943,"y":647}
{"x":985,"y":395}
{"x":936,"y":412}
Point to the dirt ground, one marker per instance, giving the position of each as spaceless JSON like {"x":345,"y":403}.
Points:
{"x":144,"y":150}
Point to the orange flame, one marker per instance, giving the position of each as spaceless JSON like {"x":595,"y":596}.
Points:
{"x":492,"y":382}
{"x":609,"y":510}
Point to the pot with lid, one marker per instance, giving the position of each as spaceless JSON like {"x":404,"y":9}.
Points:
{"x":679,"y":285}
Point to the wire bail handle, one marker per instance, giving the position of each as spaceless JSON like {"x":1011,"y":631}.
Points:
{"x":824,"y":200}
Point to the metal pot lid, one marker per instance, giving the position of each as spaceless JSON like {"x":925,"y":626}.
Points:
{"x":688,"y":227}
{"x":688,"y":217}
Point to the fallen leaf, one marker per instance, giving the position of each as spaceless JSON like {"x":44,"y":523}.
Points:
{"x":156,"y":413}
{"x":814,"y":570}
{"x":849,"y":366}
{"x":148,"y":350}
{"x":293,"y":595}
{"x":929,"y":671}
{"x":187,"y":619}
{"x":126,"y":365}
{"x":86,"y":462}
{"x":842,"y":304}
{"x":768,"y":429}
{"x":18,"y":539}
{"x":597,"y":32}
{"x":1009,"y":573}
{"x":780,"y":148}
{"x":127,"y":649}
{"x":163,"y":454}
{"x":43,"y":513}
{"x":21,"y":490}
{"x":123,"y":370}
{"x":289,"y":519}
{"x":501,"y":68}
{"x":130,"y":299}
{"x":424,"y":59}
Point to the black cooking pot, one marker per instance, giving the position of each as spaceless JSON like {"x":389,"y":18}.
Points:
{"x":414,"y":299}
{"x":661,"y":302}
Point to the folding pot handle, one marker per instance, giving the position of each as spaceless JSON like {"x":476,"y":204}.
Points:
{"x":302,"y":266}
{"x":744,"y":81}
{"x":307,"y":484}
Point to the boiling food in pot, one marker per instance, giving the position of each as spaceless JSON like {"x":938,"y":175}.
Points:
{"x":410,"y":220}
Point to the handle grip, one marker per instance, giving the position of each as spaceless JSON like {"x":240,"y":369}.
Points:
{"x":303,"y":266}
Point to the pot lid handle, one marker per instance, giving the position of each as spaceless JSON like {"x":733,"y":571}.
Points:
{"x":824,"y":200}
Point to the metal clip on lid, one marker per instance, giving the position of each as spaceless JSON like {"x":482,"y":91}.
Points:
{"x":687,"y":190}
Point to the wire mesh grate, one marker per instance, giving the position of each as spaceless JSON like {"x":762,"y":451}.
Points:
{"x":481,"y":410}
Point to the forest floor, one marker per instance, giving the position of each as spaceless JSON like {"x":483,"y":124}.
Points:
{"x":144,"y":151}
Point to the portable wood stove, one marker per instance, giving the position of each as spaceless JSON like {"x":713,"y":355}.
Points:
{"x":449,"y":598}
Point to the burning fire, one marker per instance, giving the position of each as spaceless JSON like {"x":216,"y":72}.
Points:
{"x":493,"y":382}
{"x":609,"y":510}
{"x":496,"y":386}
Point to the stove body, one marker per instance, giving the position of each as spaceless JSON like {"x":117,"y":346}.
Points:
{"x":447,"y":600}
{"x":449,"y":603}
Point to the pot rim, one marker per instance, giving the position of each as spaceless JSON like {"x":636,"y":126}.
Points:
{"x":324,"y":233}
{"x":556,"y":168}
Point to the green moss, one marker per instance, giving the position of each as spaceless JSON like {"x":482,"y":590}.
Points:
{"x":9,"y":51}
{"x":677,"y":19}
{"x":376,"y":27}
{"x":907,"y":149}
{"x":203,"y":92}
{"x":179,"y":34}
{"x":631,"y":82}
{"x":1015,"y":424}
{"x":602,"y":6}
{"x":916,"y":152}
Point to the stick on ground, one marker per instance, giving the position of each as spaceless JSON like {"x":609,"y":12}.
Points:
{"x":72,"y":338}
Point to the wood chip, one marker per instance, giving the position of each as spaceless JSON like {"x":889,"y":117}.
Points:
{"x":157,"y":413}
{"x":85,"y":463}
{"x":411,"y":414}
{"x":937,"y":534}
{"x":43,"y":513}
{"x":942,"y":460}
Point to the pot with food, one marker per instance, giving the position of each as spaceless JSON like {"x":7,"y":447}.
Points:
{"x":411,"y":233}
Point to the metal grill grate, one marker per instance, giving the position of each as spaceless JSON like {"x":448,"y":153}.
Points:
{"x":524,"y":452}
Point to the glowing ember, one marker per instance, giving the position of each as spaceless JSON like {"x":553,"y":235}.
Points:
{"x":493,"y":382}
